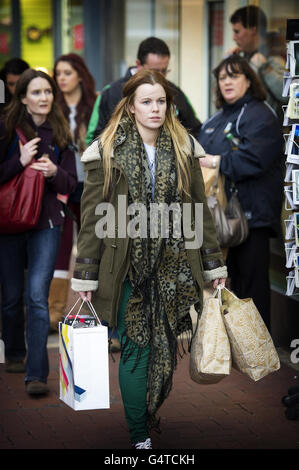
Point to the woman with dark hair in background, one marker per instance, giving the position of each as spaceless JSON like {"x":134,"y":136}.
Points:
{"x":76,"y":96}
{"x":35,"y":112}
{"x":10,"y":74}
{"x":244,"y":139}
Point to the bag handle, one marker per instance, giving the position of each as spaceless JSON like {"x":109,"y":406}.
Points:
{"x":21,"y":136}
{"x":93,"y":311}
{"x":217,"y":293}
{"x":215,"y":185}
{"x":91,"y":308}
{"x":231,"y":293}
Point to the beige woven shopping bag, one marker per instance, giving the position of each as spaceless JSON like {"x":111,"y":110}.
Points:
{"x":252,"y":348}
{"x":210,"y":356}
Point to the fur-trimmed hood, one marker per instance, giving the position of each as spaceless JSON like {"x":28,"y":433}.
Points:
{"x":92,"y":152}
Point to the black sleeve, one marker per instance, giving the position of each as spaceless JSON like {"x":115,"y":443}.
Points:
{"x":186,"y":113}
{"x":261,"y":144}
{"x":10,"y":164}
{"x":104,"y":113}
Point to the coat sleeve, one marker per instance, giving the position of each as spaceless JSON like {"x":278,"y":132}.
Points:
{"x":186,"y":113}
{"x":9,"y":167}
{"x":104,"y":111}
{"x":261,"y":143}
{"x":93,"y":122}
{"x":89,"y":246}
{"x":211,"y":254}
{"x":65,"y":180}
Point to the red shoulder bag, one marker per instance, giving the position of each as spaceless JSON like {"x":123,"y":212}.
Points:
{"x":21,"y":199}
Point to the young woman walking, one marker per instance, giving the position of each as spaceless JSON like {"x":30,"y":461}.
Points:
{"x":144,"y":281}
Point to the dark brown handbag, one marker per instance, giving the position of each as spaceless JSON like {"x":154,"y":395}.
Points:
{"x":231,"y":223}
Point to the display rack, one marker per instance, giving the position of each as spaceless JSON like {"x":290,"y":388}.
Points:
{"x":291,"y":180}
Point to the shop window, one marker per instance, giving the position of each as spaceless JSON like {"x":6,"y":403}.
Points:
{"x":5,"y":31}
{"x":72,"y":27}
{"x":36,"y":33}
{"x":158,"y":18}
{"x":277,"y":13}
{"x":216,"y":30}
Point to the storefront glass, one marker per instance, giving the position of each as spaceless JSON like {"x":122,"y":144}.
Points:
{"x":160,"y":18}
{"x":5,"y":31}
{"x":216,"y":22}
{"x":37,"y":33}
{"x":220,"y":35}
{"x":72,"y":27}
{"x":277,"y":13}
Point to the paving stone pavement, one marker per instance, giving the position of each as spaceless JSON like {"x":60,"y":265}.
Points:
{"x":236,"y":413}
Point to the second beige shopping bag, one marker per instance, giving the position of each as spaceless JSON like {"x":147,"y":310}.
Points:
{"x":252,"y":348}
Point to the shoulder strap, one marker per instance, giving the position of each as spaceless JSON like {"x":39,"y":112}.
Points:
{"x":21,"y":136}
{"x":58,"y":156}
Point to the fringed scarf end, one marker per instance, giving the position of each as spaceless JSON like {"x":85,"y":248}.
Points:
{"x":182,"y":347}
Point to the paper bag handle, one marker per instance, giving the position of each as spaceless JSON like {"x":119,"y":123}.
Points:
{"x":93,"y":311}
{"x":234,"y":295}
{"x":91,"y":308}
{"x":217,"y":292}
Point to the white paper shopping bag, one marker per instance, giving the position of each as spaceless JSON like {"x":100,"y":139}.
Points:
{"x":84,"y":366}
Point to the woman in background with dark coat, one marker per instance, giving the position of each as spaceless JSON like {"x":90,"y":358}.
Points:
{"x":35,"y":112}
{"x":10,"y":74}
{"x":76,"y":96}
{"x":245,"y":139}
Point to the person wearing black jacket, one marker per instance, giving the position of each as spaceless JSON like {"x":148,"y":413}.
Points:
{"x":34,"y":111}
{"x":10,"y":74}
{"x":244,"y":138}
{"x":153,"y":53}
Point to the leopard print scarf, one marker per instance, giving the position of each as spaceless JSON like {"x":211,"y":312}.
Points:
{"x":157,"y":311}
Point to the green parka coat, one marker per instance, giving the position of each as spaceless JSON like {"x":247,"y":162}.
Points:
{"x":103,"y":264}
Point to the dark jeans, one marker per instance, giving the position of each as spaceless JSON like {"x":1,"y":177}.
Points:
{"x":36,"y":250}
{"x":248,"y":268}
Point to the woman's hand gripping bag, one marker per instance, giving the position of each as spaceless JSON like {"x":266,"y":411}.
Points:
{"x":210,"y":356}
{"x":253,"y":351}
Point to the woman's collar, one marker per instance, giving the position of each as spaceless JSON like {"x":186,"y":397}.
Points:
{"x":239,"y":103}
{"x":44,"y":125}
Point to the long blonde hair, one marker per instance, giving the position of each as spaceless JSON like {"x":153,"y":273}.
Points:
{"x":177,"y":132}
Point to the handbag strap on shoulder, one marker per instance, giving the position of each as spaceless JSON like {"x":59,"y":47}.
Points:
{"x":215,"y":185}
{"x":21,"y":136}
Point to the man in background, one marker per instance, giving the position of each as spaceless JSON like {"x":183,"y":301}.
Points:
{"x":10,"y":74}
{"x":263,"y":50}
{"x":154,"y":54}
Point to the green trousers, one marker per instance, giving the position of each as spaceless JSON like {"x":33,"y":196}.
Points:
{"x":133,"y":385}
